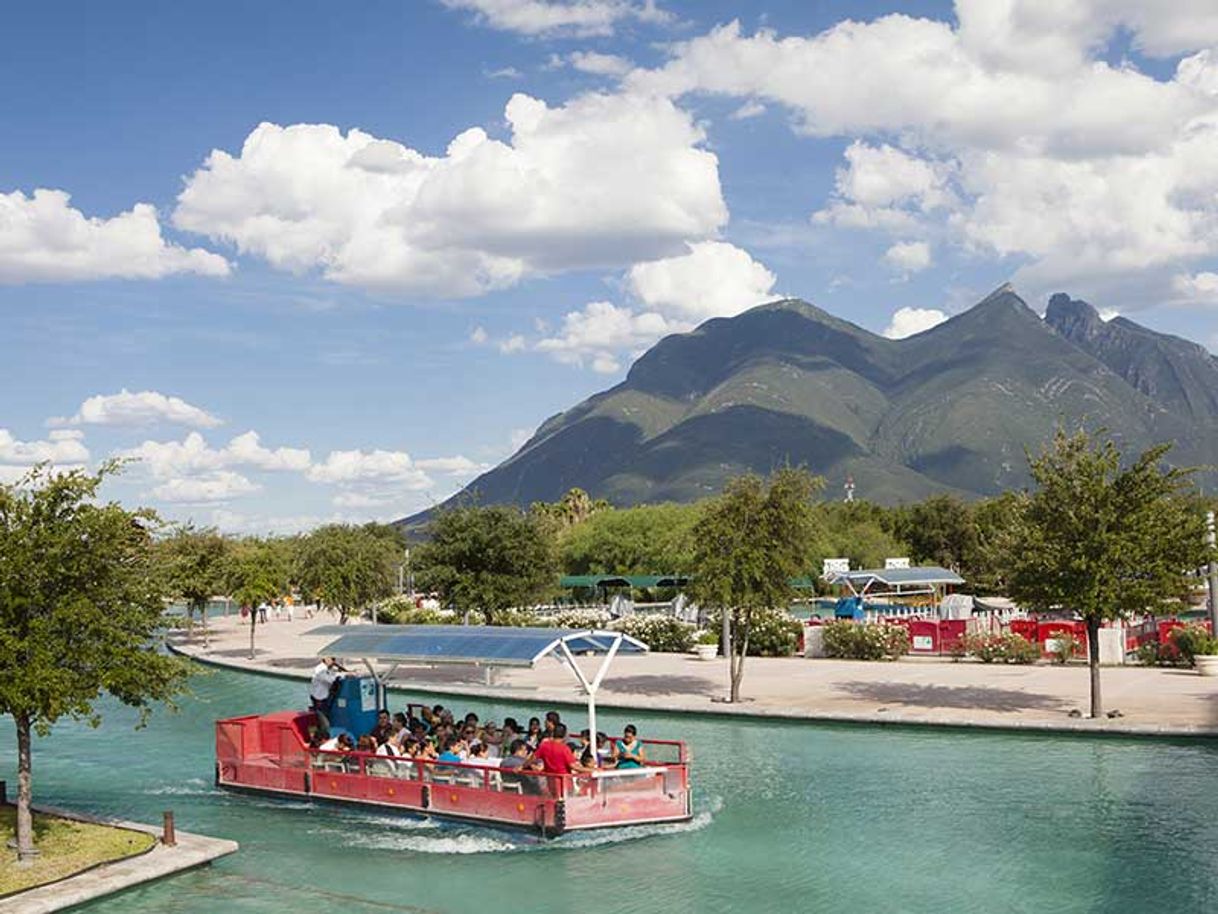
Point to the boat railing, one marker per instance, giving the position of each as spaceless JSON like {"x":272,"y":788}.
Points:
{"x":651,"y":776}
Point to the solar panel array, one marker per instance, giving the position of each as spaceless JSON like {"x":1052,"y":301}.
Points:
{"x":465,"y":644}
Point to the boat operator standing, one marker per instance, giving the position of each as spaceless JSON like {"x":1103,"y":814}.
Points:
{"x":325,"y":675}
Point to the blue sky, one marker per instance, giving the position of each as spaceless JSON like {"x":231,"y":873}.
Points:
{"x":463,"y":216}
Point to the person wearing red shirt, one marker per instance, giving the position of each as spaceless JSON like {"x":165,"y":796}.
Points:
{"x":556,"y":756}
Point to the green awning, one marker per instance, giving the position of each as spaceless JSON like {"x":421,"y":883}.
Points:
{"x":618,"y":580}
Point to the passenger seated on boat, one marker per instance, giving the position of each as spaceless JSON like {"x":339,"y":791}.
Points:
{"x":384,"y":726}
{"x":340,"y":743}
{"x":511,"y":732}
{"x":515,"y":766}
{"x":533,"y":737}
{"x":552,"y":721}
{"x":367,"y":743}
{"x":478,"y":756}
{"x":471,"y":720}
{"x":628,"y":751}
{"x":556,"y":756}
{"x":493,"y":737}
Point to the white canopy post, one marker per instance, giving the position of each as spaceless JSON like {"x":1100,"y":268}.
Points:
{"x":590,"y":688}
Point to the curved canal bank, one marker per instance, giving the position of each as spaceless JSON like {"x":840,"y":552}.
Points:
{"x":792,"y":816}
{"x":915,"y":692}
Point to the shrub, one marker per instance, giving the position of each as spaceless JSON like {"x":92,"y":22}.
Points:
{"x":1004,"y":647}
{"x":851,"y":641}
{"x":1065,"y":646}
{"x":773,"y":633}
{"x":662,"y":634}
{"x":402,"y":611}
{"x":709,"y":637}
{"x":514,"y":618}
{"x":580,"y":618}
{"x":1186,"y":643}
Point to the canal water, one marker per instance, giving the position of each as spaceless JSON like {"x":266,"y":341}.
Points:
{"x":790,"y":818}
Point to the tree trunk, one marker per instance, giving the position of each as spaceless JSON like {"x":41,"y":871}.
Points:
{"x":25,"y":792}
{"x":253,"y":624}
{"x":737,"y":664}
{"x":1093,"y":660}
{"x":206,"y":633}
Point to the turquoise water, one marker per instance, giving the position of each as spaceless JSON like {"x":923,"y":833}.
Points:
{"x":791,"y":818}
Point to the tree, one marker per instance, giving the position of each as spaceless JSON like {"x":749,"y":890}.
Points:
{"x":79,"y":609}
{"x":256,"y":572}
{"x":1103,"y":541}
{"x":487,"y":559}
{"x":570,"y":511}
{"x":192,"y":563}
{"x":647,"y":539}
{"x":940,"y":529}
{"x":345,"y":568}
{"x":749,"y":544}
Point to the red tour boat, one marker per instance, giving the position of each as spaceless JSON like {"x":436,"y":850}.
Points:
{"x":271,"y":753}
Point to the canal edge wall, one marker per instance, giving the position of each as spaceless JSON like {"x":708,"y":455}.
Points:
{"x":1072,"y":727}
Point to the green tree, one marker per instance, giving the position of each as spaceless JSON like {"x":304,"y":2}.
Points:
{"x":575,"y":507}
{"x":80,"y":604}
{"x":257,"y":571}
{"x":749,"y":544}
{"x":346,"y":568}
{"x":1103,"y":541}
{"x":192,"y":564}
{"x":648,"y":539}
{"x":487,"y":559}
{"x":940,"y":530}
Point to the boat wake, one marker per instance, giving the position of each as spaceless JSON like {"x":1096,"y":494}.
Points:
{"x":193,"y":787}
{"x":401,"y":834}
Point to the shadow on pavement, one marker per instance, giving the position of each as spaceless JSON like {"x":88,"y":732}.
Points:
{"x":661,"y":685}
{"x":933,"y":696}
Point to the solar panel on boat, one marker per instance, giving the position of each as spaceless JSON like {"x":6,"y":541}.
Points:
{"x":467,"y":644}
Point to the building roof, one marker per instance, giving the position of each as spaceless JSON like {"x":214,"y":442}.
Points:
{"x":925,"y":576}
{"x":482,"y":645}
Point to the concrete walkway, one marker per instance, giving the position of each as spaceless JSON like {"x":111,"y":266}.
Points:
{"x":189,"y":852}
{"x":912,"y":691}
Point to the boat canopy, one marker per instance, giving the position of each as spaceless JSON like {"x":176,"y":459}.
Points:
{"x":487,"y":647}
{"x":470,"y":644}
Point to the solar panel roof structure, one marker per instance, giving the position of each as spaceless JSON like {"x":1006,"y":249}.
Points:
{"x":482,"y":645}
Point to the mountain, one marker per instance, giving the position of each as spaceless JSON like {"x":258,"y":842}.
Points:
{"x":952,"y":409}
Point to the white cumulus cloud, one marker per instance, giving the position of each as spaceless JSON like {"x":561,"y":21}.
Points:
{"x":571,"y":18}
{"x":713,"y":279}
{"x":597,"y":334}
{"x":1007,"y":133}
{"x":64,"y":446}
{"x":908,"y":321}
{"x":908,"y":256}
{"x":193,"y":455}
{"x":43,"y":238}
{"x":358,"y":466}
{"x":223,"y":485}
{"x":145,"y":407}
{"x":603,"y":180}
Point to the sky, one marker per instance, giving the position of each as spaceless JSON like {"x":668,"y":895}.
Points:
{"x":306,"y":262}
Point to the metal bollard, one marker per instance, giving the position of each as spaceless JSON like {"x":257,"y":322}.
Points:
{"x":168,"y":837}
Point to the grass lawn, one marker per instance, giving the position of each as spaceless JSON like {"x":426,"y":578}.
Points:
{"x":67,"y":847}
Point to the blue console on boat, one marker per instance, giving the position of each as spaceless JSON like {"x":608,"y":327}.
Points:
{"x":353,"y":709}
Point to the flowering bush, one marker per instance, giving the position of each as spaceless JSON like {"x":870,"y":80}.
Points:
{"x":401,"y":610}
{"x":851,"y":641}
{"x":580,"y":618}
{"x":773,"y":632}
{"x":1065,"y":646}
{"x":514,"y":618}
{"x":1004,"y":647}
{"x":660,"y":633}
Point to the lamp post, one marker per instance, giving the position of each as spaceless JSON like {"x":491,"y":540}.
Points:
{"x":1211,"y":540}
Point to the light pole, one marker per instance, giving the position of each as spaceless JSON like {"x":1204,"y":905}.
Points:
{"x":1211,"y":540}
{"x":409,"y":577}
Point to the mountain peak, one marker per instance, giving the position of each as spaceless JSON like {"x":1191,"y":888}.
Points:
{"x":1073,"y":317}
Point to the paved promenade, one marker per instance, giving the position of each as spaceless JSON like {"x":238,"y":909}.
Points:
{"x":911,"y":691}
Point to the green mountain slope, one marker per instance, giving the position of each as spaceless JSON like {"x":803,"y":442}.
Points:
{"x":952,"y":409}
